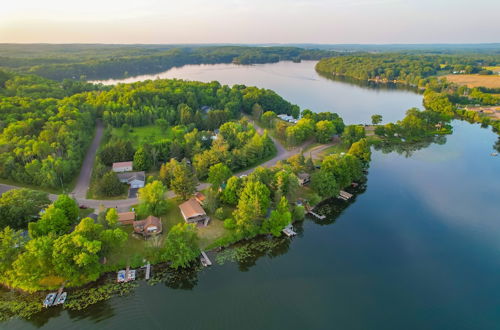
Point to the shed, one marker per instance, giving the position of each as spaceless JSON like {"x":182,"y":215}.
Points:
{"x":200,"y":197}
{"x":126,"y":218}
{"x":122,"y":167}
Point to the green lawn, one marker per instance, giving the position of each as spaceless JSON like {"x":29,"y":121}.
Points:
{"x":335,"y":149}
{"x":135,"y":247}
{"x":143,"y":134}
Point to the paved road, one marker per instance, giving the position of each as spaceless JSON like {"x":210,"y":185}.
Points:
{"x":80,"y":191}
{"x":83,"y":182}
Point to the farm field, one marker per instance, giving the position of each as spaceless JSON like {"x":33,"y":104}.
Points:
{"x":475,"y":80}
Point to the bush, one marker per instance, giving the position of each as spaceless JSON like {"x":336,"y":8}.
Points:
{"x":298,"y":213}
{"x":110,"y":185}
{"x":219,"y":213}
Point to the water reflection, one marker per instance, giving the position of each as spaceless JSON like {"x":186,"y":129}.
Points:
{"x":332,"y":208}
{"x":182,"y":278}
{"x":408,"y":149}
{"x":369,"y":84}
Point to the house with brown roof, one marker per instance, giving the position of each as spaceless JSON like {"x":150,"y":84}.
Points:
{"x":122,"y":166}
{"x":126,"y":218}
{"x":192,"y":212}
{"x":149,"y":226}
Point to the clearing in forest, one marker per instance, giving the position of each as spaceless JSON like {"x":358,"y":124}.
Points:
{"x":475,"y":80}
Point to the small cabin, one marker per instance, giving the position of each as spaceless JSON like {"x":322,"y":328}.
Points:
{"x":122,"y":167}
{"x":200,"y":197}
{"x":192,"y":212}
{"x":126,"y":218}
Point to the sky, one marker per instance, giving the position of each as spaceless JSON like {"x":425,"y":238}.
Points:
{"x":250,"y":21}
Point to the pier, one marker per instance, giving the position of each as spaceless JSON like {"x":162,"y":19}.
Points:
{"x":204,"y":260}
{"x":288,"y":231}
{"x":148,"y":271}
{"x":311,"y":212}
{"x":344,"y":195}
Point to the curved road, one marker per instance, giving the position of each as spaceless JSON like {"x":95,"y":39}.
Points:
{"x":80,"y":191}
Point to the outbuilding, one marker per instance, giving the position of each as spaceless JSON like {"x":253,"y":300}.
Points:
{"x":122,"y":167}
{"x":192,"y":212}
{"x":126,"y":218}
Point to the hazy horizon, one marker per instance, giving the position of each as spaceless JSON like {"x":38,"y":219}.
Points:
{"x":259,"y":22}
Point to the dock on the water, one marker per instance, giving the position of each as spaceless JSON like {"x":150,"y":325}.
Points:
{"x":148,"y":271}
{"x":204,"y":259}
{"x":321,"y":217}
{"x":344,"y":195}
{"x":288,"y":231}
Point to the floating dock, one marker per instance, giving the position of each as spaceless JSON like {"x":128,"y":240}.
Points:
{"x":148,"y":271}
{"x":204,"y":260}
{"x":288,"y":231}
{"x":321,"y":217}
{"x":344,"y":195}
{"x":310,"y":211}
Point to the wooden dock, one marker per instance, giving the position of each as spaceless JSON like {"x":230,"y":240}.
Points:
{"x":311,"y":212}
{"x":344,"y":195}
{"x":321,"y":217}
{"x":288,"y":231}
{"x":204,"y":259}
{"x":148,"y":271}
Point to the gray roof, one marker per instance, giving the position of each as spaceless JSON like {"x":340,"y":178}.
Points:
{"x":130,"y":176}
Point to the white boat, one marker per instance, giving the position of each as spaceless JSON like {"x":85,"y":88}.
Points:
{"x":121,"y":276}
{"x":49,"y":300}
{"x":494,"y":154}
{"x":61,"y":298}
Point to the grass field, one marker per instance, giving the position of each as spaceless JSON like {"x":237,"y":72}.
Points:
{"x":143,"y":134}
{"x":475,"y":80}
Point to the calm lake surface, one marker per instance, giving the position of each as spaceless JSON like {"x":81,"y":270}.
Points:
{"x":418,"y":249}
{"x":300,"y":84}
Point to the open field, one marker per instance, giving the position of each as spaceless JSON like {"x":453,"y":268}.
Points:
{"x":475,"y":80}
{"x":143,"y":134}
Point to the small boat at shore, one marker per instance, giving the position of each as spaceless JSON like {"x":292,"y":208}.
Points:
{"x":49,"y":300}
{"x":494,"y":154}
{"x":61,"y":298}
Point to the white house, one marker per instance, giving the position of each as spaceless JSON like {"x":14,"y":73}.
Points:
{"x":134,"y":179}
{"x":122,"y":167}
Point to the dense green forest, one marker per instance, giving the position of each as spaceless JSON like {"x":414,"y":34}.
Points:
{"x":411,"y":69}
{"x":96,"y":62}
{"x":46,"y":126}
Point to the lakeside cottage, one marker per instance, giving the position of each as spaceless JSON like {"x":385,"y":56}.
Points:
{"x":133,"y":179}
{"x":192,"y":212}
{"x":149,"y":226}
{"x":122,"y":167}
{"x":126,"y":218}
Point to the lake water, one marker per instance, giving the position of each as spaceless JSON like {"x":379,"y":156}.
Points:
{"x":418,"y":249}
{"x":300,"y":84}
